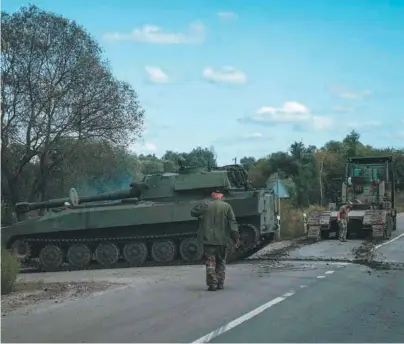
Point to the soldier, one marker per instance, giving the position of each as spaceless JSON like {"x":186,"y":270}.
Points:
{"x":217,"y":225}
{"x":343,"y":218}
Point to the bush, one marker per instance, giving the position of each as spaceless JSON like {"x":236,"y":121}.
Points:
{"x":9,"y":271}
{"x":292,"y":220}
{"x":292,"y":225}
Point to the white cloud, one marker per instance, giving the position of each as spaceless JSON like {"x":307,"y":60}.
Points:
{"x":143,"y":147}
{"x":344,"y":108}
{"x":244,"y":138}
{"x":226,"y":15}
{"x":252,"y":136}
{"x":289,"y":112}
{"x":156,"y":35}
{"x":322,"y":123}
{"x":349,"y":94}
{"x":228,"y":75}
{"x":292,"y":112}
{"x":156,"y":75}
{"x":149,"y":146}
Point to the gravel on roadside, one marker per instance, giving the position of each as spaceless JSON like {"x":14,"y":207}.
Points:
{"x":32,"y":293}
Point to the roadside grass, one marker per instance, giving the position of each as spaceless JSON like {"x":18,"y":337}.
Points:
{"x":292,"y":220}
{"x":9,"y":271}
{"x":29,"y":286}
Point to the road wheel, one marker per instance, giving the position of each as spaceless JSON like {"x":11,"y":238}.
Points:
{"x":20,"y":250}
{"x":191,"y":250}
{"x":51,"y":257}
{"x":79,"y":256}
{"x":163,"y":251}
{"x":248,"y":237}
{"x":135,"y":253}
{"x":107,"y":254}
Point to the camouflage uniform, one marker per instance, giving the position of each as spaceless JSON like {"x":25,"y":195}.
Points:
{"x":215,"y":261}
{"x":217,"y":226}
{"x":343,"y":222}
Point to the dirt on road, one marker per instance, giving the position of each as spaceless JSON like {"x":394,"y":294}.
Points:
{"x":34,"y":292}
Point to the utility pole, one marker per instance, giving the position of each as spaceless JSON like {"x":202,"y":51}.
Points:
{"x":321,"y":178}
{"x":235,"y":161}
{"x":278,"y":233}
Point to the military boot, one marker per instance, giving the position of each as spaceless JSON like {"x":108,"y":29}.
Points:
{"x":220,"y":286}
{"x":212,"y":287}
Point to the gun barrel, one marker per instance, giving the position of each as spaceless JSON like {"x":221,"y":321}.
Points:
{"x":135,"y":190}
{"x":24,"y":207}
{"x":110,"y":196}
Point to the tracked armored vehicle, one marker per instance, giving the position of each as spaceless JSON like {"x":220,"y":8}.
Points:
{"x":369,"y":184}
{"x":149,"y":224}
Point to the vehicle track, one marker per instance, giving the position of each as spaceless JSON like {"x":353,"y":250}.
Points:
{"x":33,"y":266}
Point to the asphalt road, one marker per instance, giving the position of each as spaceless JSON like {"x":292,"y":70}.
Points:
{"x":356,"y":304}
{"x":393,"y":251}
{"x":348,"y":306}
{"x":262,"y":302}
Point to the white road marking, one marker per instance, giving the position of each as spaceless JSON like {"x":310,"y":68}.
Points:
{"x":339,"y":264}
{"x":243,"y":318}
{"x":390,"y":241}
{"x":225,"y":328}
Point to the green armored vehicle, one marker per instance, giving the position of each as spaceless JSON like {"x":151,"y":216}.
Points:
{"x":369,"y":185}
{"x":148,"y":224}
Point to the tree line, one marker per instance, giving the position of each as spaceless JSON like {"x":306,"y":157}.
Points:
{"x":313,"y":175}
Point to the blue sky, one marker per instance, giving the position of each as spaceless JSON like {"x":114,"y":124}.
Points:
{"x":250,"y":77}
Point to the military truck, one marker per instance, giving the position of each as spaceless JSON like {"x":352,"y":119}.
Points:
{"x":369,"y":185}
{"x":148,"y":224}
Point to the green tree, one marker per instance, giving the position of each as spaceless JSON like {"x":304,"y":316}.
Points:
{"x":248,"y":162}
{"x":351,"y":141}
{"x":56,"y":86}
